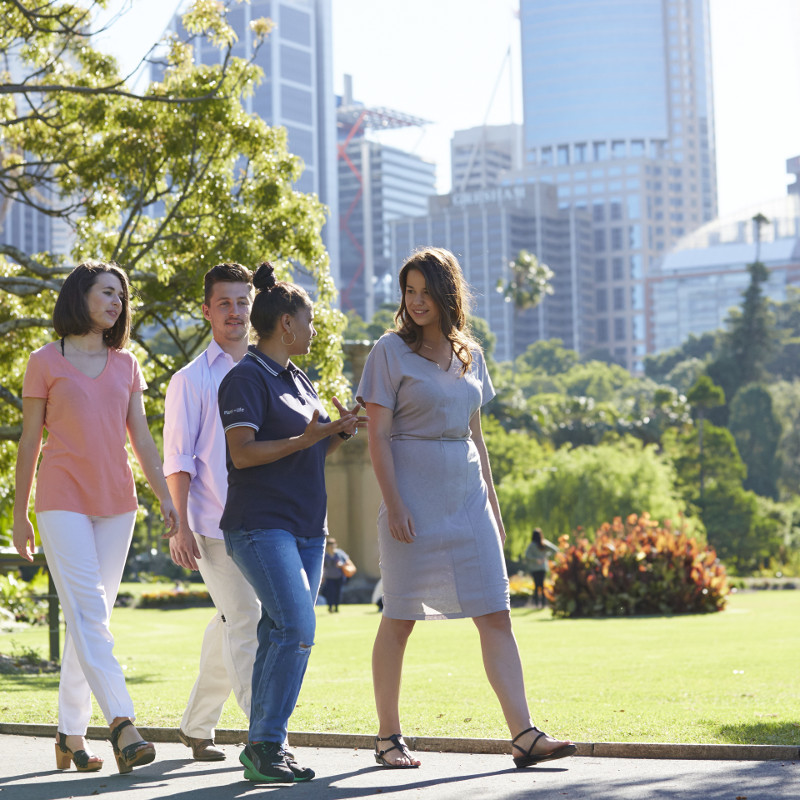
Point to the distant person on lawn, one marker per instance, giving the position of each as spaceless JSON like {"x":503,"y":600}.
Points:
{"x":333,"y":576}
{"x":194,"y":463}
{"x":537,"y":563}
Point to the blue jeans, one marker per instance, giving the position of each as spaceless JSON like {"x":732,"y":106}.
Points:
{"x":285,"y":571}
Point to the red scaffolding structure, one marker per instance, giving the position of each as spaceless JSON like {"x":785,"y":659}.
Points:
{"x":357,"y":119}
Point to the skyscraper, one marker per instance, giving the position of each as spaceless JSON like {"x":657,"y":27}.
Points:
{"x":297,"y":89}
{"x":377,"y":184}
{"x":618,"y":115}
{"x":486,"y":229}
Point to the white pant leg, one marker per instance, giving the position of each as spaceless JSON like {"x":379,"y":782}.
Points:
{"x":229,"y":643}
{"x":86,"y":557}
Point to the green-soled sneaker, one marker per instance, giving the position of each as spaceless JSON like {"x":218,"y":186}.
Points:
{"x":264,"y":762}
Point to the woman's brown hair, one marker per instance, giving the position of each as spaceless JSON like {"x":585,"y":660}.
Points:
{"x":449,"y":291}
{"x":71,"y":312}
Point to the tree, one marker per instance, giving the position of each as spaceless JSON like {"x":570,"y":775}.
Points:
{"x":548,"y":356}
{"x":585,"y":486}
{"x":167,"y":182}
{"x":658,"y":366}
{"x":704,"y":395}
{"x":750,"y":341}
{"x":529,"y":282}
{"x":757,"y":430}
{"x":786,"y":403}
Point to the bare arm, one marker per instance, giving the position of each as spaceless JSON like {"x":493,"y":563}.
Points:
{"x":30,"y":445}
{"x":182,"y":547}
{"x":401,"y":523}
{"x":486,"y":470}
{"x":146,"y":452}
{"x":247,"y":452}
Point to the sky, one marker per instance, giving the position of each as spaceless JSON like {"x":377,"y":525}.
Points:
{"x":456,"y":63}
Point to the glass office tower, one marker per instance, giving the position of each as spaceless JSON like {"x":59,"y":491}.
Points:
{"x":618,"y":116}
{"x":297,"y":89}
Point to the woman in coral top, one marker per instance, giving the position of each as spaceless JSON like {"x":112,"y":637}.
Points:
{"x":86,"y":391}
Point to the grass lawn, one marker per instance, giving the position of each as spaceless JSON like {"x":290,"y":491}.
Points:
{"x":730,"y":677}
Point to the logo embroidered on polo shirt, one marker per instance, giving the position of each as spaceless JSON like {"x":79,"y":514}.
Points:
{"x":233,"y":411}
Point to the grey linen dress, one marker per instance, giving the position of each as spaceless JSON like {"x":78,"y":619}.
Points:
{"x":455,"y":566}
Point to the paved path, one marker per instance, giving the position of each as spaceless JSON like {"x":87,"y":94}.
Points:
{"x":27,"y":773}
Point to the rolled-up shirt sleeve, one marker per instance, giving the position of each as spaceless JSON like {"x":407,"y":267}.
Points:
{"x":181,"y":426}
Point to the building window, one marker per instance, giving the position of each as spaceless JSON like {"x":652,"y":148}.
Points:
{"x":547,"y":156}
{"x":615,"y":207}
{"x":601,"y":300}
{"x":602,"y":330}
{"x":598,"y":211}
{"x":619,"y":299}
{"x":619,"y":329}
{"x":617,"y":269}
{"x":599,"y":241}
{"x":579,"y":152}
{"x":618,"y":150}
{"x":600,"y":270}
{"x":616,"y":239}
{"x":637,"y":147}
{"x":563,"y":155}
{"x":600,"y":151}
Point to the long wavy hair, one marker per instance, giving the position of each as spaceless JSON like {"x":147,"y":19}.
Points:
{"x":449,"y":291}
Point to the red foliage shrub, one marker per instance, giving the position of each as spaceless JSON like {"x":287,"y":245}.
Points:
{"x":636,"y":567}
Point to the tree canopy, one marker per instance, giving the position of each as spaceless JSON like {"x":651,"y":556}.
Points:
{"x":166,"y":182}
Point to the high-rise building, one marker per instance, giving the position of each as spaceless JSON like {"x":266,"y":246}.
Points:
{"x":693,"y":289}
{"x":377,"y":184}
{"x":486,"y":229}
{"x":618,"y":117}
{"x":479,"y":156}
{"x":297,"y":89}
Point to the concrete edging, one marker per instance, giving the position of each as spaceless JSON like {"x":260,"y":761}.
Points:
{"x":703,"y":752}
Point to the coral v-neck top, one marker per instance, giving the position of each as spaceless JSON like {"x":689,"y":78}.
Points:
{"x":84,"y":465}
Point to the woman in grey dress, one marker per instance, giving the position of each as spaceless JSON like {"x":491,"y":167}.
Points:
{"x":439,"y":528}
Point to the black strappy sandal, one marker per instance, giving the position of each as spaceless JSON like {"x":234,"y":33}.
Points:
{"x":84,"y":761}
{"x":397,"y":744}
{"x":134,"y":755}
{"x":527,"y":758}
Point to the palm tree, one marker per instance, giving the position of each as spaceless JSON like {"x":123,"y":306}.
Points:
{"x":529,"y":282}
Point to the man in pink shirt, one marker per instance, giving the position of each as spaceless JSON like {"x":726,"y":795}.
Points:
{"x":194,"y":463}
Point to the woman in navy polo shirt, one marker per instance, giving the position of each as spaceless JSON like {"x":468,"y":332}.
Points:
{"x":274,"y":523}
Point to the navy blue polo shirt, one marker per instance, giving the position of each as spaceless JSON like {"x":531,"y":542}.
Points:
{"x":277,"y":403}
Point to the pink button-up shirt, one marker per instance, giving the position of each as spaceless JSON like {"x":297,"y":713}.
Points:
{"x":194,"y":441}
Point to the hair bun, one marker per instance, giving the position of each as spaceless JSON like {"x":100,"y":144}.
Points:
{"x":264,"y":279}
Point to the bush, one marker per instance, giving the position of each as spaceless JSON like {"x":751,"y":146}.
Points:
{"x":636,"y":567}
{"x":25,"y":600}
{"x":179,"y":596}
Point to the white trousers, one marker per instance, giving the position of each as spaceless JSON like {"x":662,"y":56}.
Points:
{"x":229,"y":643}
{"x":86,"y":557}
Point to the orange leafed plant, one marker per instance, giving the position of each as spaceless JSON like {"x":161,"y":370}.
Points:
{"x":636,"y":566}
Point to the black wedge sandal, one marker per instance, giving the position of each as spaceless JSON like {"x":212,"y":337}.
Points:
{"x":527,"y":758}
{"x":397,"y":744}
{"x":134,"y":755}
{"x":84,"y":761}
